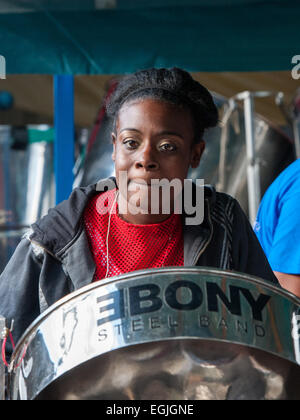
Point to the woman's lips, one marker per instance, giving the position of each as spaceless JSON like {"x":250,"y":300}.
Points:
{"x":141,"y":184}
{"x":138,"y":184}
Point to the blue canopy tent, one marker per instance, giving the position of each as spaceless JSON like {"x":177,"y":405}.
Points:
{"x":67,"y":38}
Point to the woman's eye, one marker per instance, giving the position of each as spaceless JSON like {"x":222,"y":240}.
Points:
{"x":130,"y":144}
{"x":168,"y":147}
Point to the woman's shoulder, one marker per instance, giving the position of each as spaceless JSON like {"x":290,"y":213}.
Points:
{"x":225,"y":210}
{"x":219,"y":202}
{"x":62,"y":222}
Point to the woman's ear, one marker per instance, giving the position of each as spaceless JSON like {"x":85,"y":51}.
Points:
{"x":113,"y":138}
{"x":197,"y":151}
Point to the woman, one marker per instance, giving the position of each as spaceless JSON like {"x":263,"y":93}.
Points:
{"x":159,"y":117}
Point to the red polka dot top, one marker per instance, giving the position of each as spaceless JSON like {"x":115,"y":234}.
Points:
{"x":130,"y":247}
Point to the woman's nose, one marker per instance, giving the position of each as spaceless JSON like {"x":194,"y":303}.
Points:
{"x":147,"y":160}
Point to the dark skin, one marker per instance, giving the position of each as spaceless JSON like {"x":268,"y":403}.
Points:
{"x":153,"y":140}
{"x":290,"y":282}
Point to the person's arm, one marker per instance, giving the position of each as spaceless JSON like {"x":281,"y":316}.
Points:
{"x":284,"y":254}
{"x":290,"y":282}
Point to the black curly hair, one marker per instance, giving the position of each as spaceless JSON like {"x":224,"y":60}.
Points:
{"x":175,"y":86}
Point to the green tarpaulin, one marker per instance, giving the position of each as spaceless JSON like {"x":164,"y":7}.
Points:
{"x":84,"y":38}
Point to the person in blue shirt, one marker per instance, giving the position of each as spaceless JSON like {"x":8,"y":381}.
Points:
{"x":278,"y":227}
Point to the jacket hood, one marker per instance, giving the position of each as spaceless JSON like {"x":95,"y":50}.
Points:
{"x":60,"y":227}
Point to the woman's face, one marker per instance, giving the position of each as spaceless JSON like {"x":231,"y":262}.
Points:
{"x":154,"y":140}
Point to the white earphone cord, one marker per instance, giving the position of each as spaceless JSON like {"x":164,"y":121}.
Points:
{"x":108,"y":230}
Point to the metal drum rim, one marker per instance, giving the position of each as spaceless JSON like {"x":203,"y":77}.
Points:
{"x":127,"y":276}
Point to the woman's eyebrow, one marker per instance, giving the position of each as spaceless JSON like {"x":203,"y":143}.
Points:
{"x":162,"y":133}
{"x":130,"y":129}
{"x":170,"y":133}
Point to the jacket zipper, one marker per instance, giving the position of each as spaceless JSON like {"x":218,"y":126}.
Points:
{"x":62,"y":251}
{"x":45,"y":249}
{"x":201,"y":251}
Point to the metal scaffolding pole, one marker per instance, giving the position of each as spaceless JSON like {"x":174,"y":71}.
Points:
{"x":253,"y":172}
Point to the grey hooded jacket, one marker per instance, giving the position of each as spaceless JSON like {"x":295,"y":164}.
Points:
{"x":53,"y":258}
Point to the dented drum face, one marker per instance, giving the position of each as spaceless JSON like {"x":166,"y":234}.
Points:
{"x":171,"y":333}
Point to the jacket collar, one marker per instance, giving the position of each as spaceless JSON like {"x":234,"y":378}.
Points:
{"x":197,"y":237}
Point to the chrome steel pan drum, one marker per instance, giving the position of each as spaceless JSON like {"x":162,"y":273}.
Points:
{"x":173,"y":333}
